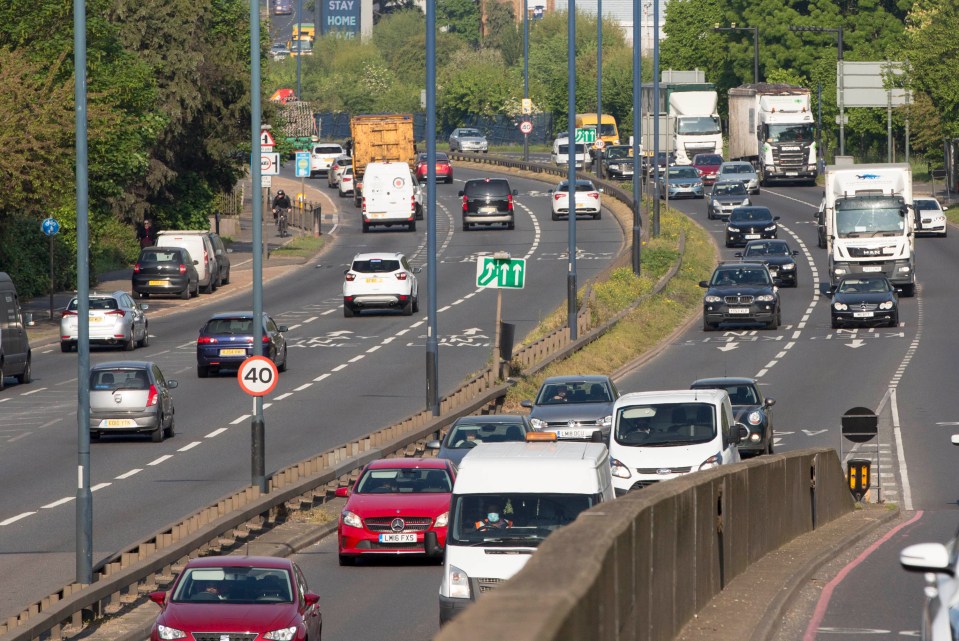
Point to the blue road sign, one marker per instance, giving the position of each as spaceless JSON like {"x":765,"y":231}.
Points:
{"x":50,"y":226}
{"x":302,"y":164}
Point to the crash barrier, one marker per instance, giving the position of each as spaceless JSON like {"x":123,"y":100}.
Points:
{"x":123,"y":579}
{"x":642,"y":566}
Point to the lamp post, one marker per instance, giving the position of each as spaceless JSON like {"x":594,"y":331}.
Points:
{"x":599,"y":85}
{"x":299,"y":46}
{"x":637,"y":177}
{"x":755,"y":31}
{"x":571,"y":167}
{"x":839,"y":97}
{"x":432,"y":341}
{"x":655,"y":160}
{"x":526,"y":71}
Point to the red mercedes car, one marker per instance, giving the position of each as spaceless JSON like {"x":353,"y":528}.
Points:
{"x":444,"y":170}
{"x":256,"y":598}
{"x":392,"y":505}
{"x":708,"y":166}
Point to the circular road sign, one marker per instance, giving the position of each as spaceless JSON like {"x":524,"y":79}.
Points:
{"x":860,"y":424}
{"x":600,"y":143}
{"x":50,"y":226}
{"x":257,"y":376}
{"x":526,"y":127}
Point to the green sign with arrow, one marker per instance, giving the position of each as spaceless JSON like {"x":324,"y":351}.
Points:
{"x":499,"y":273}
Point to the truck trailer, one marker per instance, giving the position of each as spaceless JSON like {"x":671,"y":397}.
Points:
{"x":380,"y":138}
{"x":689,"y":122}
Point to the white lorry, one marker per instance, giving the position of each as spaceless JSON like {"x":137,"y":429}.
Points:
{"x":869,"y":222}
{"x":772,"y":126}
{"x":689,"y":122}
{"x":507,"y":498}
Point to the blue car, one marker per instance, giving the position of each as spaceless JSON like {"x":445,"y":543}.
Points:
{"x":681,"y":181}
{"x":226,"y":340}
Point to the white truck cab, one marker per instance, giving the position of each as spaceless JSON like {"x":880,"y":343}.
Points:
{"x":507,"y":498}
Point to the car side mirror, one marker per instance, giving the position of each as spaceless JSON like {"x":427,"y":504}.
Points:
{"x":219,"y":252}
{"x":346,"y":271}
{"x":172,"y":384}
{"x":433,"y":445}
{"x":549,"y":192}
{"x":945,"y":209}
{"x":795,"y":252}
{"x":283,"y":328}
{"x":826,"y":289}
{"x":311,"y":599}
{"x":740,"y":433}
{"x":159,"y":598}
{"x":196,"y":262}
{"x":460,"y":194}
{"x":527,"y":404}
{"x":229,"y":251}
{"x":144,"y":306}
{"x":738,"y":254}
{"x":775,"y":217}
{"x":769,"y":402}
{"x":601,"y":190}
{"x":515,"y":192}
{"x":704,"y":283}
{"x":342,"y":492}
{"x":417,"y":270}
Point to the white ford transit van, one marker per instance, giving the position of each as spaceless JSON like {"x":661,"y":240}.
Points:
{"x":507,"y":498}
{"x":560,"y":154}
{"x":201,"y":251}
{"x":389,"y":195}
{"x":660,"y":435}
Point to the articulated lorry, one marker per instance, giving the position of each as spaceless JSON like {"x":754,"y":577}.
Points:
{"x":869,"y":223}
{"x":380,"y":138}
{"x":772,"y":127}
{"x":689,"y":122}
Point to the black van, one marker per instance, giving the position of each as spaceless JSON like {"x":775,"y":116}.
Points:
{"x":14,"y":344}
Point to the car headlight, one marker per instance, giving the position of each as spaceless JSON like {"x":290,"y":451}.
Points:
{"x":886,"y":305}
{"x":168,"y":633}
{"x":839,"y":271}
{"x":755,"y":418}
{"x":442,"y":520}
{"x":283,"y":634}
{"x":771,"y":228}
{"x":697,"y":185}
{"x":766,"y":298}
{"x":537,"y":423}
{"x":731,"y":228}
{"x":606,"y":421}
{"x":459,"y":583}
{"x":789,"y":267}
{"x":711,"y":462}
{"x":712,"y":299}
{"x":755,"y":437}
{"x":840,"y":307}
{"x":904,"y":268}
{"x":617,"y":469}
{"x":351,"y":519}
{"x":746,"y":202}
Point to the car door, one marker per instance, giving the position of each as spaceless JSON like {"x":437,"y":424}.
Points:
{"x":12,"y":333}
{"x":312,"y":616}
{"x":138,"y":322}
{"x":279,"y":341}
{"x":166,"y":397}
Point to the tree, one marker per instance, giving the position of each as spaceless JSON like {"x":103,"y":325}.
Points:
{"x":460,"y":17}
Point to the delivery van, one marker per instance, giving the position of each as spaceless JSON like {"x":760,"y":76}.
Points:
{"x":658,"y":436}
{"x":507,"y":498}
{"x":607,"y":131}
{"x":389,"y":195}
{"x":201,"y":251}
{"x":15,"y":356}
{"x":560,"y":153}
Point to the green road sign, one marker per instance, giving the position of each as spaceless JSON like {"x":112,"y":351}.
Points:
{"x":586,"y":135}
{"x":500,"y":273}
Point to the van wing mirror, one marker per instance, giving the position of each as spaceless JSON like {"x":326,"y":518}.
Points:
{"x":433,"y":548}
{"x":740,"y":433}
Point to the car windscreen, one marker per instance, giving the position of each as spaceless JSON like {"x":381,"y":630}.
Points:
{"x":753,"y":277}
{"x":573,"y":392}
{"x":97,"y":304}
{"x":328,"y":149}
{"x":767,"y":249}
{"x":737,"y":169}
{"x":927,"y":205}
{"x":708,"y":160}
{"x":119,"y":378}
{"x":564,"y":149}
{"x":737,"y":189}
{"x":525,"y":518}
{"x":226,"y":585}
{"x":470,"y":133}
{"x":375,"y":266}
{"x":750,"y":215}
{"x":665,"y":424}
{"x":683,"y":172}
{"x":614,"y":153}
{"x":160,"y":256}
{"x":493,"y":188}
{"x":468,"y":434}
{"x":404,"y":481}
{"x":863,"y":286}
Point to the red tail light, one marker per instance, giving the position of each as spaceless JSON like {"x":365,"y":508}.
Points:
{"x":152,"y":397}
{"x":266,"y":339}
{"x":364,"y":204}
{"x":136,"y":268}
{"x":116,"y":312}
{"x":465,"y":205}
{"x":510,"y":202}
{"x":67,"y":312}
{"x":206,"y":340}
{"x":558,"y":195}
{"x":401,"y":276}
{"x":413,"y":203}
{"x":182,"y":269}
{"x":594,"y":194}
{"x":350,"y":277}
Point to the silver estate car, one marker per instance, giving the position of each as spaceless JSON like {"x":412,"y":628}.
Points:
{"x":468,"y":139}
{"x":130,"y":397}
{"x":115,"y":319}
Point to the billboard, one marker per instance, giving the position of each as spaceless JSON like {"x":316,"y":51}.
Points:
{"x":340,"y":18}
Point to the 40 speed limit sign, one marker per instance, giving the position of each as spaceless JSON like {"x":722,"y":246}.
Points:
{"x":257,"y":376}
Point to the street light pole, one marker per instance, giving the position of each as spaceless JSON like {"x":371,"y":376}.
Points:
{"x":755,"y":31}
{"x":637,"y":176}
{"x":571,"y":169}
{"x":599,"y":85}
{"x":432,"y":341}
{"x":658,"y":111}
{"x":526,"y":71}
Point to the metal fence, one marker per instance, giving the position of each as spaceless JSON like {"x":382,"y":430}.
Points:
{"x":499,"y":130}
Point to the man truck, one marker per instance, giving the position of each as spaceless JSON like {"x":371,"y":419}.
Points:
{"x":869,"y":225}
{"x":380,"y":138}
{"x":772,"y":127}
{"x":689,"y":122}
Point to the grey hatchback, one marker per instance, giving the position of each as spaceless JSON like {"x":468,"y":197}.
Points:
{"x":574,"y":407}
{"x":469,"y":431}
{"x":130,"y":397}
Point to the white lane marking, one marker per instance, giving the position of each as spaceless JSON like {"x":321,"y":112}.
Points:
{"x":237,"y":421}
{"x":373,"y":349}
{"x":292,"y":327}
{"x":160,"y":460}
{"x":49,"y":423}
{"x":302,"y":387}
{"x":282,"y":396}
{"x":127,"y":475}
{"x":310,"y":319}
{"x":417,"y":324}
{"x":356,"y":358}
{"x":760,"y":373}
{"x":100,"y":486}
{"x":188,"y":446}
{"x":329,"y":311}
{"x":442,"y":309}
{"x":403,"y":331}
{"x":457,"y":302}
{"x":49,"y":506}
{"x":166,"y":351}
{"x":186,"y":345}
{"x":40,"y":389}
{"x":14,"y":519}
{"x":215,"y":432}
{"x":267,"y":405}
{"x":339,"y":368}
{"x":4,"y":400}
{"x":183,"y":369}
{"x":321,"y":377}
{"x":388,"y":339}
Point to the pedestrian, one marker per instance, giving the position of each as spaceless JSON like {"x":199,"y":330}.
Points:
{"x":146,"y":234}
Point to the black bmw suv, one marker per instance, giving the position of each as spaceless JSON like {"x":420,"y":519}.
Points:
{"x":740,"y":293}
{"x":750,"y":223}
{"x":487,"y":201}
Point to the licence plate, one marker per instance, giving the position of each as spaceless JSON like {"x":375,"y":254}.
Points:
{"x":773,"y":272}
{"x":118,"y":422}
{"x":574,"y":433}
{"x":738,"y":310}
{"x":863,"y":314}
{"x":752,"y":236}
{"x":792,"y":173}
{"x":487,"y":210}
{"x":397,"y":538}
{"x":158,"y":283}
{"x":232,"y":352}
{"x":872,"y":268}
{"x":373,"y":279}
{"x":96,"y":319}
{"x":369,"y":215}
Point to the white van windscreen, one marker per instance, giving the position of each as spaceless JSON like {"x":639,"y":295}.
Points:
{"x":513,"y":519}
{"x":665,"y":424}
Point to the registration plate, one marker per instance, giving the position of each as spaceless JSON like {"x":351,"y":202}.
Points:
{"x":232,"y":352}
{"x":373,"y":279}
{"x":738,"y":310}
{"x":397,"y":538}
{"x":773,"y":273}
{"x":379,"y":215}
{"x":792,"y":173}
{"x":863,"y":314}
{"x":872,"y":268}
{"x":487,"y":210}
{"x":574,"y":433}
{"x":752,"y":236}
{"x":118,"y":422}
{"x":96,"y":319}
{"x":157,"y":283}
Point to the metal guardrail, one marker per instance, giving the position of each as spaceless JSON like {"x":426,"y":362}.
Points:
{"x":124,"y":578}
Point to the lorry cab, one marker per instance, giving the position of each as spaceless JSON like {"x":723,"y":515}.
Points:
{"x":507,"y":498}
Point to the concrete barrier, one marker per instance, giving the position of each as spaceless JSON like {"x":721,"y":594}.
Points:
{"x":641,"y":567}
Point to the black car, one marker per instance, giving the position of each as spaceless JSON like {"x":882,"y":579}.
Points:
{"x":618,"y":162}
{"x":574,"y":407}
{"x":467,"y":432}
{"x":750,"y":223}
{"x":741,"y":293}
{"x":487,"y":201}
{"x":862,"y":299}
{"x":779,"y":259}
{"x":664,"y":161}
{"x":226,"y":340}
{"x":165,"y":271}
{"x":750,"y":408}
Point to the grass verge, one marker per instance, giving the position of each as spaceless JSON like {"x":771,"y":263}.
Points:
{"x":300,"y":247}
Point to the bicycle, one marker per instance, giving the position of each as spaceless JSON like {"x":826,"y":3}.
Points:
{"x":281,"y":223}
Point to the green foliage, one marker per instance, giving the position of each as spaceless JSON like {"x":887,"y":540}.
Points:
{"x":477,"y":82}
{"x":460,"y":17}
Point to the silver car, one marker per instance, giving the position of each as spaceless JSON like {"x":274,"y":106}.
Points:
{"x":468,"y":139}
{"x":726,"y":196}
{"x":681,"y":181}
{"x":742,"y":172}
{"x":115,"y":319}
{"x":130,"y":397}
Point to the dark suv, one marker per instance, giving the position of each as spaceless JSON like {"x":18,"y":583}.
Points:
{"x":750,"y":223}
{"x":750,"y":408}
{"x":487,"y":201}
{"x":740,"y":293}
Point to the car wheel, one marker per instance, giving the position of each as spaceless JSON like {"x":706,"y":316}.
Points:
{"x":342,"y":195}
{"x":186,"y":293}
{"x":466,"y":226}
{"x":554,"y":216}
{"x":282,"y":366}
{"x":598,"y":215}
{"x":157,"y":435}
{"x":65,"y":346}
{"x":408,"y":307}
{"x":27,"y":375}
{"x":510,"y":225}
{"x":347,"y":560}
{"x":226,"y":281}
{"x":894,"y":321}
{"x":709,"y":214}
{"x":209,"y":287}
{"x":769,"y":444}
{"x":707,"y":326}
{"x":202,"y":371}
{"x":412,"y":225}
{"x":909,"y":291}
{"x":130,"y":345}
{"x":145,"y":341}
{"x":835,"y":324}
{"x":416,"y":304}
{"x":94,"y":436}
{"x":366,"y":227}
{"x":171,"y":428}
{"x":348,"y":310}
{"x":3,"y":384}
{"x":728,"y":243}
{"x":196,"y":292}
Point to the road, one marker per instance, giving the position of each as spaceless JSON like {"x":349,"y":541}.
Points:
{"x":347,"y":378}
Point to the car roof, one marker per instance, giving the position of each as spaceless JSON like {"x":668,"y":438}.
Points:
{"x":240,"y":561}
{"x":726,"y":182}
{"x":723,"y":380}
{"x":753,"y":208}
{"x":580,"y":378}
{"x":378,"y":256}
{"x":408,"y":463}
{"x":246,"y":314}
{"x":491,"y":418}
{"x":122,"y":365}
{"x":730,"y":265}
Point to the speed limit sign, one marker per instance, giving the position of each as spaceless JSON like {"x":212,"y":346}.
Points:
{"x":599,"y":144}
{"x":526,"y":127}
{"x":257,"y":376}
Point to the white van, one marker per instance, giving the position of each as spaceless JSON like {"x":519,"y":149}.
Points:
{"x":661,"y":435}
{"x":560,"y":153}
{"x":15,"y":356}
{"x":389,"y":195}
{"x":201,"y":250}
{"x":507,"y":498}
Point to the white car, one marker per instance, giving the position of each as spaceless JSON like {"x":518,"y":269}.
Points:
{"x":336,"y":170}
{"x":322,"y":156}
{"x":588,"y":200}
{"x":931,"y":215}
{"x":381,"y":280}
{"x":115,"y":319}
{"x":345,"y":182}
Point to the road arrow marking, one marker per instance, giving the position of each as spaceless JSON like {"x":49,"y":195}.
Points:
{"x":814,"y":432}
{"x":728,"y":346}
{"x":471,"y":331}
{"x":856,"y":343}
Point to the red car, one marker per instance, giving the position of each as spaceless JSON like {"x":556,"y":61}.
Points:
{"x":444,"y":170}
{"x":392,"y":505}
{"x":256,"y":598}
{"x":708,"y":166}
